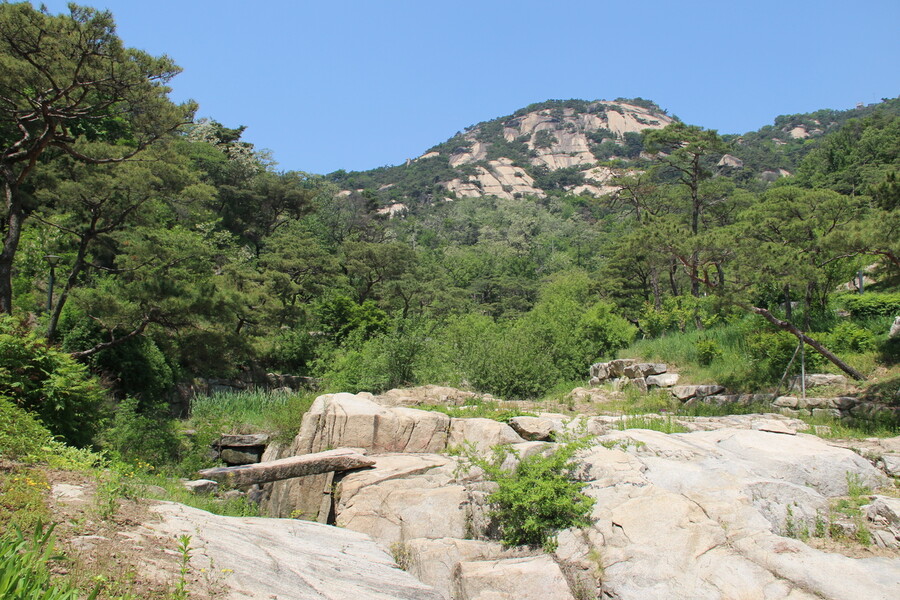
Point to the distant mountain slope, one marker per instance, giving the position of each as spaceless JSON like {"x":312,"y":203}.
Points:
{"x":782,"y":145}
{"x":576,"y":146}
{"x":550,"y":145}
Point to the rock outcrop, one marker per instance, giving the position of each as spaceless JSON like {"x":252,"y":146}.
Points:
{"x":720,"y":503}
{"x":358,"y":421}
{"x":250,"y":558}
{"x":707,"y":514}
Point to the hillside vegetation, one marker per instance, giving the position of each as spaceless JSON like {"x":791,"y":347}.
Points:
{"x":506,"y":259}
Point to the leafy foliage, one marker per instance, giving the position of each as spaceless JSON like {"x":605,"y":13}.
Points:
{"x":539,"y":497}
{"x":25,"y":568}
{"x":872,"y":304}
{"x":50,"y":384}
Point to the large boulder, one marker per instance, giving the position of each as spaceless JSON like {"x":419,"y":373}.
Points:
{"x":642,"y":370}
{"x":529,"y":578}
{"x":424,"y":395}
{"x":483,"y":433}
{"x":687,"y":392}
{"x":354,"y":421}
{"x":405,"y":497}
{"x":357,"y":421}
{"x":816,"y":380}
{"x":433,"y":561}
{"x":616,"y":368}
{"x":270,"y":558}
{"x":662,"y":380}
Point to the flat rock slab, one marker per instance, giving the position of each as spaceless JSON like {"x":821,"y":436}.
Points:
{"x":288,"y":559}
{"x":686,"y":392}
{"x":342,"y":459}
{"x":238,"y":441}
{"x":772,"y":426}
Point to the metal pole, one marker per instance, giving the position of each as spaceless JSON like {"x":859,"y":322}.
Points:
{"x":861,"y":282}
{"x":803,"y":367}
{"x":50,"y":288}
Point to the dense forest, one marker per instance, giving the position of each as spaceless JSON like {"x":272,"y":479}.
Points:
{"x":153,"y":248}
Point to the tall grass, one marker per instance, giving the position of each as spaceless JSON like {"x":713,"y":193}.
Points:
{"x":252,"y":411}
{"x":664,"y":424}
{"x":24,"y":568}
{"x":730,"y":367}
{"x":830,"y":427}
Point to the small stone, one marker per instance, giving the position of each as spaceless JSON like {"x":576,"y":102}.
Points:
{"x":773,"y":426}
{"x":617,"y":367}
{"x":533,"y":428}
{"x":663,"y":380}
{"x":242,"y":456}
{"x":895,"y":329}
{"x":201,"y":486}
{"x":640,"y":383}
{"x":86,"y":543}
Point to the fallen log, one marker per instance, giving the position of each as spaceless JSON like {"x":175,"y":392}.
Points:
{"x":341,"y":459}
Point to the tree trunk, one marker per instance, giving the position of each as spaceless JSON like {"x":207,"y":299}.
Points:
{"x":14,"y":217}
{"x":788,"y":309}
{"x":654,"y":286}
{"x":784,"y":325}
{"x":673,"y":269}
{"x":77,"y":267}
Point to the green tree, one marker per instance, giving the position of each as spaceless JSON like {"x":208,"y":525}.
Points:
{"x":90,"y":204}
{"x":62,"y":79}
{"x":685,"y":153}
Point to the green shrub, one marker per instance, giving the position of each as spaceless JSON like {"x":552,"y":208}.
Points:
{"x":872,"y":304}
{"x":678,"y":314}
{"x":137,"y":367}
{"x":25,"y":439}
{"x":293,"y":351}
{"x":389,"y":359}
{"x":849,"y":337}
{"x":50,"y":384}
{"x":21,"y":434}
{"x":145,"y":433}
{"x":513,"y":363}
{"x":707,"y":351}
{"x":770,"y":354}
{"x":537,"y":499}
{"x":243,"y":412}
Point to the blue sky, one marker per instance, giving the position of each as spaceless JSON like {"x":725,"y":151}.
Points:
{"x":357,"y":85}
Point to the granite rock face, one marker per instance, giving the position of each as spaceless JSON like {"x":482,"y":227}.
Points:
{"x":274,"y":558}
{"x":705,"y":514}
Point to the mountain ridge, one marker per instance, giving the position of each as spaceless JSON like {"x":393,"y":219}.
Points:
{"x":576,"y":147}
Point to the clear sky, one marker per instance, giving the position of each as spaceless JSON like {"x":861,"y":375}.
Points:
{"x":354,"y":85}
